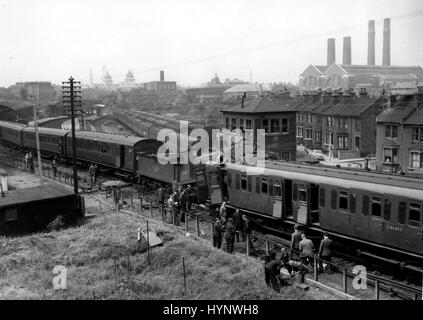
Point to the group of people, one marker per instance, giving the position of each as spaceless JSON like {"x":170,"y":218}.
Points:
{"x":29,"y":161}
{"x":231,"y":227}
{"x":180,"y":201}
{"x":300,"y":258}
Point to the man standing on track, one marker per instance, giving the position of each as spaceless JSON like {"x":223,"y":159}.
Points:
{"x":325,"y":252}
{"x":295,"y":242}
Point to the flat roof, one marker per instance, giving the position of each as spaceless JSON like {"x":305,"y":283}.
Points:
{"x":33,"y":195}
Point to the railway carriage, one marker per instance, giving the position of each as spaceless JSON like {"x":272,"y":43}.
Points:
{"x":52,"y":141}
{"x":379,"y":209}
{"x":11,"y":132}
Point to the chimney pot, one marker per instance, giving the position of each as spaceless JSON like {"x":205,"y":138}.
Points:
{"x":161,"y":76}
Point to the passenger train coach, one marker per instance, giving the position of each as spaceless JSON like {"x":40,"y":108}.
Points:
{"x":373,"y":208}
{"x":129,"y":156}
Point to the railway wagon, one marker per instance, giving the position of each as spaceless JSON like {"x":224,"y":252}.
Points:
{"x":11,"y":132}
{"x":375,"y":208}
{"x":51,"y":140}
{"x":111,"y":150}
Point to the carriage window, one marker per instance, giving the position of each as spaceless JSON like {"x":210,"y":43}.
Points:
{"x":244,"y":182}
{"x":213,"y":179}
{"x":366,"y":205}
{"x":401,"y":212}
{"x":257,"y":185}
{"x":387,"y":210}
{"x":334,"y":195}
{"x":270,"y":187}
{"x":352,"y":202}
{"x":294,"y":192}
{"x":322,"y":197}
{"x":264,"y":185}
{"x":302,"y":195}
{"x":376,"y":207}
{"x":250,"y":184}
{"x":277,"y":191}
{"x":237,"y":181}
{"x":343,"y":200}
{"x":414,"y":214}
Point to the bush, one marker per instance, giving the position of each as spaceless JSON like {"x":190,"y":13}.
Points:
{"x":56,"y":224}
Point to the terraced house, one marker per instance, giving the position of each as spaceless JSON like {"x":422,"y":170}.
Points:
{"x":276,"y":118}
{"x":400,"y":132}
{"x":342,"y":122}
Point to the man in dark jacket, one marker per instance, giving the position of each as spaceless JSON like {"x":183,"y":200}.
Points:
{"x":247,"y":231}
{"x":217,"y":233}
{"x":307,"y":250}
{"x":272,"y":270}
{"x":229,"y":236}
{"x":325,"y":251}
{"x":295,"y":242}
{"x":238,"y":224}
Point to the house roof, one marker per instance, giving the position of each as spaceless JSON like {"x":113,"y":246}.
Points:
{"x":415,"y":117}
{"x":247,"y":88}
{"x":400,"y":111}
{"x":262,"y":105}
{"x":390,"y":70}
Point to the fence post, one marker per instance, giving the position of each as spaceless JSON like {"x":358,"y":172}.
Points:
{"x":186,"y":221}
{"x":141,"y":204}
{"x":197,"y":225}
{"x":248,"y":244}
{"x":316,"y":275}
{"x":376,"y":289}
{"x":148,"y":244}
{"x":151,"y":208}
{"x":211,"y":232}
{"x":267,"y":248}
{"x":132,"y":201}
{"x":183,"y":269}
{"x":344,"y":280}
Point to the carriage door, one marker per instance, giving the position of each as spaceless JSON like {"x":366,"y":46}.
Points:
{"x":314,"y":203}
{"x":287,"y":198}
{"x":277,"y":199}
{"x":300,"y":203}
{"x":122,"y":156}
{"x":201,"y":185}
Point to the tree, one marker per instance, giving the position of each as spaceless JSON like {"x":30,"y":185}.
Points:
{"x":23,"y":94}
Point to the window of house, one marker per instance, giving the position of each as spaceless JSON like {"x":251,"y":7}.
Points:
{"x":309,"y":119}
{"x":243,"y":182}
{"x":274,"y":126}
{"x":299,"y":132}
{"x":319,"y":118}
{"x":308,"y":133}
{"x":342,"y":123}
{"x":391,"y":131}
{"x":365,"y":205}
{"x":318,"y":136}
{"x":300,"y":117}
{"x":329,"y":121}
{"x":322,"y":197}
{"x":334,"y":195}
{"x":265,"y":125}
{"x":387,"y":210}
{"x":284,"y":125}
{"x":264,"y":185}
{"x":233,"y":124}
{"x":414,"y":214}
{"x":415,"y":134}
{"x":343,"y":200}
{"x":343,"y":142}
{"x":402,"y":207}
{"x":248,"y":124}
{"x":390,"y":155}
{"x":352,"y":202}
{"x":416,"y":159}
{"x":241,"y":124}
{"x":277,"y":190}
{"x":376,"y":207}
{"x":328,"y":138}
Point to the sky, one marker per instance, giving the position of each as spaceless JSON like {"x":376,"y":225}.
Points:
{"x":191,"y":40}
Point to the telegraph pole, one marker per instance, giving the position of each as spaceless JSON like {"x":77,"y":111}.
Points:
{"x":37,"y":138}
{"x":72,"y":98}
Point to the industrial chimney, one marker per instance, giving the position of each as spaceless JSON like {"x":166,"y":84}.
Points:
{"x":331,"y":51}
{"x":161,"y":76}
{"x":347,"y":51}
{"x":386,"y":42}
{"x":371,"y":44}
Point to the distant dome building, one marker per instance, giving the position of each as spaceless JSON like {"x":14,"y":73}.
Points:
{"x":129,"y":82}
{"x":107,"y":80}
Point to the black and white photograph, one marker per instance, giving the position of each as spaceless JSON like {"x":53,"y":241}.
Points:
{"x":211,"y":155}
